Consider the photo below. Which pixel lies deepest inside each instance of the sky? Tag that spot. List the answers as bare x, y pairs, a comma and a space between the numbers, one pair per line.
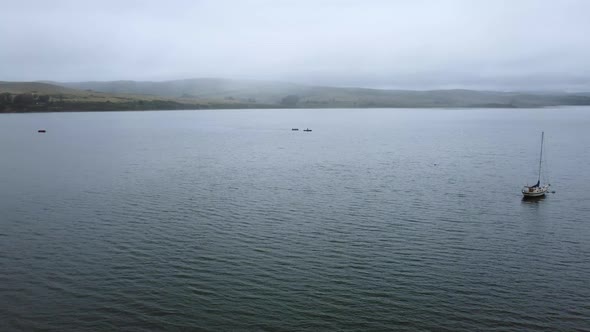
401, 44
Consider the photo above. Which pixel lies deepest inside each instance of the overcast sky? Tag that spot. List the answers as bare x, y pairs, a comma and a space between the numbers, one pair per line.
411, 44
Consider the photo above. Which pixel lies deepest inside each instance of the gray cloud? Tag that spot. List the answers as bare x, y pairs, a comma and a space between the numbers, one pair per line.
419, 44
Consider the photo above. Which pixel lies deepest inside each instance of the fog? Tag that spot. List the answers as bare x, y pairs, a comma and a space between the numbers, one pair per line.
504, 45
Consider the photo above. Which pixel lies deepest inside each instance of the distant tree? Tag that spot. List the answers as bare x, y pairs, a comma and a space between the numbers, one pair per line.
5, 98
43, 99
23, 99
290, 100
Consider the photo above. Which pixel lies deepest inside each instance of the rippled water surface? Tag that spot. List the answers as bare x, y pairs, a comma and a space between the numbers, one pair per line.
227, 220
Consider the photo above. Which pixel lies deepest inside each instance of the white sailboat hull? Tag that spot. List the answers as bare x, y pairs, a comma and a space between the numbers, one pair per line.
535, 191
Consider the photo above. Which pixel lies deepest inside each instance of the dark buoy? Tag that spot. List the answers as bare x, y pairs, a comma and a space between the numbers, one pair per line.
41, 130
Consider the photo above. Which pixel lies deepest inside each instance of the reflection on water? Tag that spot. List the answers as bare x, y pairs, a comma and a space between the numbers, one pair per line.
533, 200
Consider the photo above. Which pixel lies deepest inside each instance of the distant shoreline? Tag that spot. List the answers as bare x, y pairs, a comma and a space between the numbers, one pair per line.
290, 109
219, 94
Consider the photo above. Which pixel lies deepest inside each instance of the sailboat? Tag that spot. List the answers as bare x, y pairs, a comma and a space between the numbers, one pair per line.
537, 190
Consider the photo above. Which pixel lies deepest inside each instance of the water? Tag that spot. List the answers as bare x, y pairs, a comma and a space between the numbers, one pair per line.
227, 220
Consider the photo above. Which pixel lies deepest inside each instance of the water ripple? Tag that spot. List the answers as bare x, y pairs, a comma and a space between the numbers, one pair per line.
267, 230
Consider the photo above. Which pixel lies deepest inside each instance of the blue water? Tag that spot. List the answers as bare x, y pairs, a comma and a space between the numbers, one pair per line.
378, 219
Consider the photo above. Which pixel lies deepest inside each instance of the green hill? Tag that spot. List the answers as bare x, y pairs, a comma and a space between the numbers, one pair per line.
46, 97
212, 93
35, 87
205, 88
269, 92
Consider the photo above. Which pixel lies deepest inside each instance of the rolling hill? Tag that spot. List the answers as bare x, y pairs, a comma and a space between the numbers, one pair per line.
213, 93
269, 92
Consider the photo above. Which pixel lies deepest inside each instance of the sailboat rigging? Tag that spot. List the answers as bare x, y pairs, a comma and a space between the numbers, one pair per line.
537, 190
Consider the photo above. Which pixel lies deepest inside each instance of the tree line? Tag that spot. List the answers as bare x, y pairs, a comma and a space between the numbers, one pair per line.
22, 101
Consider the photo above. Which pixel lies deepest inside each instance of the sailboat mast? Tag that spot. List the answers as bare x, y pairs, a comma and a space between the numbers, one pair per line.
541, 157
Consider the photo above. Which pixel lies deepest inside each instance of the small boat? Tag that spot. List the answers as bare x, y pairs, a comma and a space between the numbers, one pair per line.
295, 129
537, 190
307, 129
41, 131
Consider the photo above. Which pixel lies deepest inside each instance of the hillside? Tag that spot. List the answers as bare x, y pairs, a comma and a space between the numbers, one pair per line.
46, 97
35, 87
268, 92
211, 93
